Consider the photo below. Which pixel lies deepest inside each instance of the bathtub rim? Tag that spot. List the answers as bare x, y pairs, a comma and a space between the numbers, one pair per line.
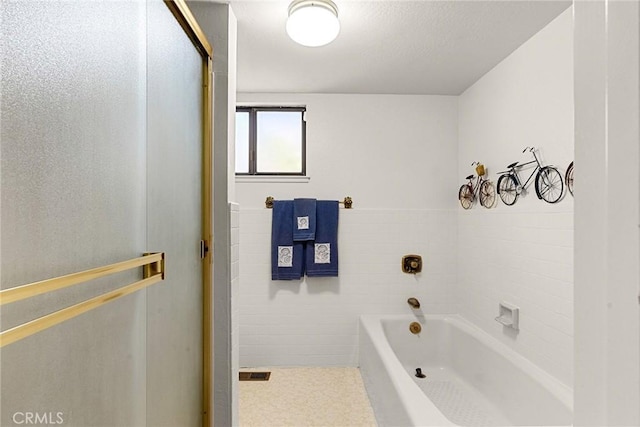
373, 325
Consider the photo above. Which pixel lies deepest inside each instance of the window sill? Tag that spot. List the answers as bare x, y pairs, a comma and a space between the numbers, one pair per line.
243, 179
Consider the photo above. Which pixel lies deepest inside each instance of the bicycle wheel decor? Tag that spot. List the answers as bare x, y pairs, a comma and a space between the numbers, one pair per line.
568, 178
549, 184
487, 194
465, 195
508, 189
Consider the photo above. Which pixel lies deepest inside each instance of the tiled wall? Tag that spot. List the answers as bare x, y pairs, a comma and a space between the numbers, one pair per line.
524, 258
395, 155
315, 322
522, 254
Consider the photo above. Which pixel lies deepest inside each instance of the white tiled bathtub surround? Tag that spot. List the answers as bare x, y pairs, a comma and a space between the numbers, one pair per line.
395, 155
524, 258
315, 322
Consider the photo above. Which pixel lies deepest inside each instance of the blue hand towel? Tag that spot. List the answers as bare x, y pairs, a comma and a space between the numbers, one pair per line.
287, 256
304, 219
322, 254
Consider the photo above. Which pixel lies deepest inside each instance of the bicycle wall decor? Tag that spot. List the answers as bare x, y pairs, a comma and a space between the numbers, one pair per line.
568, 178
548, 181
468, 192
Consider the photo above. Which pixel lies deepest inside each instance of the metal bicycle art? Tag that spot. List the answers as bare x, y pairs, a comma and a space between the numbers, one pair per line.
548, 181
468, 192
568, 178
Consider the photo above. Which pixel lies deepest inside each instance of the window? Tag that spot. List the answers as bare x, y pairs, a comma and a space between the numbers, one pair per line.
270, 141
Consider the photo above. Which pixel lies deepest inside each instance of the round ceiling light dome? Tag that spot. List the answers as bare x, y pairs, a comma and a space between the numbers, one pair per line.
313, 23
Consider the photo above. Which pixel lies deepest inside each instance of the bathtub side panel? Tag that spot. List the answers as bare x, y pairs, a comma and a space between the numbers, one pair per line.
386, 404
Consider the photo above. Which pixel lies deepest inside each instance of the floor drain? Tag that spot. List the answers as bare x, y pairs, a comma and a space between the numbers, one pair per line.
255, 376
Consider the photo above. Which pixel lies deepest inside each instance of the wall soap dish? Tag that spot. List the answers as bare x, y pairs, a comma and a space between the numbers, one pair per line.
509, 315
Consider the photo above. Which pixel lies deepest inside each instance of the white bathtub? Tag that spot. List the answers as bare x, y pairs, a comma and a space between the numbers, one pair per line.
472, 379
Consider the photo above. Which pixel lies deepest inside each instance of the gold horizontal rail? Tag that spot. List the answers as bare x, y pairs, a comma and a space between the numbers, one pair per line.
32, 289
347, 202
26, 329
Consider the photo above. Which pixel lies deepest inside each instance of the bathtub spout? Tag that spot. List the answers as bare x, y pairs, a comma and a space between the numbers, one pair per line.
413, 302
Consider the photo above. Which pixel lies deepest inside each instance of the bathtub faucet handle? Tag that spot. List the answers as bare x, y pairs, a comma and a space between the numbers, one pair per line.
413, 302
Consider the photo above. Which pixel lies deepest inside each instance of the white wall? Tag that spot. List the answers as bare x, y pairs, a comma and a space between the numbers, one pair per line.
234, 242
607, 332
522, 254
396, 156
385, 151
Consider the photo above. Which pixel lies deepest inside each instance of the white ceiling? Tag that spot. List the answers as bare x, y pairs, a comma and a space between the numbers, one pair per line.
396, 47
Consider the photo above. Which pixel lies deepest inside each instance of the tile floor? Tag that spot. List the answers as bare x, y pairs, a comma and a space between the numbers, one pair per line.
300, 397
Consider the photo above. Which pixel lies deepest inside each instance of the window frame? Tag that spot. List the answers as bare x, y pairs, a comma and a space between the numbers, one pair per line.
253, 139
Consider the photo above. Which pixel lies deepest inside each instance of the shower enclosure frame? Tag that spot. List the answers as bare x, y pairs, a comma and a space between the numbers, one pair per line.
195, 33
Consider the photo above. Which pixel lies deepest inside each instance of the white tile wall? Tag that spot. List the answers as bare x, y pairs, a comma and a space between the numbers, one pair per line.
384, 151
315, 322
525, 258
522, 254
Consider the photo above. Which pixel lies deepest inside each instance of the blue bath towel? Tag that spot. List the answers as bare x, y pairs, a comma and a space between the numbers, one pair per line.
322, 254
287, 256
304, 220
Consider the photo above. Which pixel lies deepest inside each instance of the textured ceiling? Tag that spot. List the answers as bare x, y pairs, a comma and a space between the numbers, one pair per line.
397, 47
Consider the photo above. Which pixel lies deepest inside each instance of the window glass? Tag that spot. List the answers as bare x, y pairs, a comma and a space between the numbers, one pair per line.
242, 142
278, 141
270, 141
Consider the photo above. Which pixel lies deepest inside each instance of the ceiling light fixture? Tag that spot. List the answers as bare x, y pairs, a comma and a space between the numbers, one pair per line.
313, 23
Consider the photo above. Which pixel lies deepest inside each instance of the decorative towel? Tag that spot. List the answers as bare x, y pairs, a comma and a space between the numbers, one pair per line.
322, 254
304, 220
287, 256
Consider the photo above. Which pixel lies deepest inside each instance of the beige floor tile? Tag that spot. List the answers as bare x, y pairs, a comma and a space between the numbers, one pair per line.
300, 397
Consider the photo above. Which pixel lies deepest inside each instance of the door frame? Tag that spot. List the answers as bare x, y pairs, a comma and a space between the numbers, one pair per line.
187, 21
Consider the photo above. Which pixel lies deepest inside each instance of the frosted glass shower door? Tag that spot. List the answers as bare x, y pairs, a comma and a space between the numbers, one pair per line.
174, 207
101, 160
72, 197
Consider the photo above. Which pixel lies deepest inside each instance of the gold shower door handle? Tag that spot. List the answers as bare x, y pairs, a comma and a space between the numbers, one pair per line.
153, 272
